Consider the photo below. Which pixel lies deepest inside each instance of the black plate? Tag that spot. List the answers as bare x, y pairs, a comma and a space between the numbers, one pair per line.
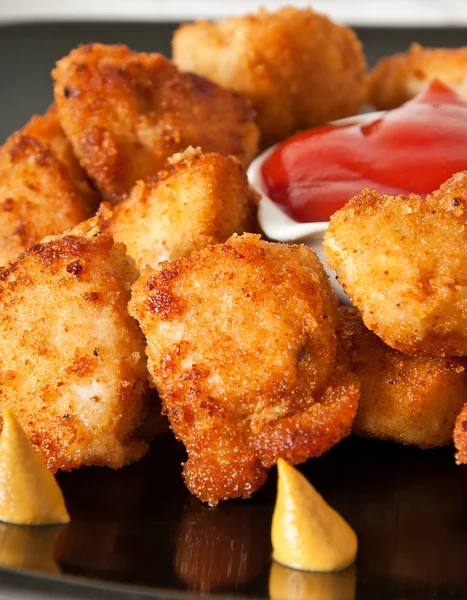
139, 526
137, 533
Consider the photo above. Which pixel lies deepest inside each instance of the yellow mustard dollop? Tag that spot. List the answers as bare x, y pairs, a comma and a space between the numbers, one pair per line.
29, 494
306, 532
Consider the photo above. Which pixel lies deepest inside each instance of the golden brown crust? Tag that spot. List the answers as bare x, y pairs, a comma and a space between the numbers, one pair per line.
315, 430
406, 399
398, 78
200, 199
242, 350
42, 187
298, 68
127, 112
460, 437
72, 364
47, 130
402, 262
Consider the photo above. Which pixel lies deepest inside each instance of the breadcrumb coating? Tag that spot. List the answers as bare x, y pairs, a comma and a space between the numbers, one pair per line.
200, 199
241, 346
47, 130
403, 398
126, 112
402, 262
42, 187
398, 78
460, 436
298, 68
72, 363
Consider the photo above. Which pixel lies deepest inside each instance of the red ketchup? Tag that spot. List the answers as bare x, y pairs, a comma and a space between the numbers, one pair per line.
414, 148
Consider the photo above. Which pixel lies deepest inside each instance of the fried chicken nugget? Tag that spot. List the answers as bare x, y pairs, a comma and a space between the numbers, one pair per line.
47, 130
398, 78
298, 68
242, 349
126, 112
460, 436
42, 187
72, 362
200, 199
406, 399
402, 261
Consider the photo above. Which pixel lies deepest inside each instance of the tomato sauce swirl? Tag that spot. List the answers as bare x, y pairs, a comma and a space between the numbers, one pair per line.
413, 148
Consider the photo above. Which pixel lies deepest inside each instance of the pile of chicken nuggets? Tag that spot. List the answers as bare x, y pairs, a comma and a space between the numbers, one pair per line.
136, 291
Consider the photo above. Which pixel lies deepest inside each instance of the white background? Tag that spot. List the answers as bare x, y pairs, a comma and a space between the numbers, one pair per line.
353, 12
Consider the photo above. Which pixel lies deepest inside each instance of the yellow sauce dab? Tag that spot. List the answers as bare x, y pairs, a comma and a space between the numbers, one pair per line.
307, 533
29, 494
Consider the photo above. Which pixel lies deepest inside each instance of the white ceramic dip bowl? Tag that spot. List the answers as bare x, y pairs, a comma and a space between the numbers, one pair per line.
279, 226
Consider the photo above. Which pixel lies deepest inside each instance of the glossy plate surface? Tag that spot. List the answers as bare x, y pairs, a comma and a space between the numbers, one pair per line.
139, 526
137, 533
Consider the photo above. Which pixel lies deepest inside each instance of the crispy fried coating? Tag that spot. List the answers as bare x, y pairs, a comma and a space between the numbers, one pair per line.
242, 349
402, 262
460, 437
298, 68
126, 112
72, 364
47, 130
200, 199
398, 78
42, 187
403, 398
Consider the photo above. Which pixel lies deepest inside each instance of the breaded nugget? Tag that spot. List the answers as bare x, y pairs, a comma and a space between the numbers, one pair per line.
47, 130
460, 437
298, 68
42, 187
407, 399
242, 349
126, 112
72, 363
398, 78
200, 199
402, 261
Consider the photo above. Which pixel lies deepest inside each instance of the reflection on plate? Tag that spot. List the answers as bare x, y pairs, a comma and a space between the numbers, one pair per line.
287, 583
218, 549
30, 548
140, 526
